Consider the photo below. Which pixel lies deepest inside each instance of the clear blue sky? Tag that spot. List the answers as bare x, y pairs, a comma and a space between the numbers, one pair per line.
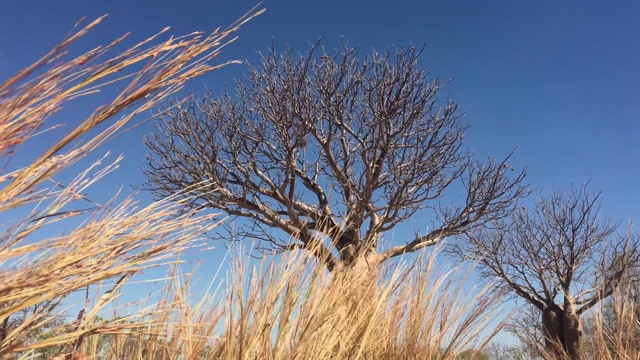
559, 79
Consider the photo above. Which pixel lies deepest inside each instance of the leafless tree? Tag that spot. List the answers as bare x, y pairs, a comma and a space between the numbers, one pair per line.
561, 250
498, 351
333, 151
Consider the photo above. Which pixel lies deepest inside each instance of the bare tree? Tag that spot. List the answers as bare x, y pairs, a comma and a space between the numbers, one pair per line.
560, 250
498, 351
51, 324
332, 150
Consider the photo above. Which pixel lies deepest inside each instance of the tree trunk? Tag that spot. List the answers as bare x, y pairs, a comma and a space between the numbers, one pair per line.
562, 330
361, 271
572, 330
553, 329
358, 269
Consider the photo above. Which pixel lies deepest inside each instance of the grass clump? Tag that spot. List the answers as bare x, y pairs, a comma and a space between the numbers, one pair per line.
292, 308
114, 240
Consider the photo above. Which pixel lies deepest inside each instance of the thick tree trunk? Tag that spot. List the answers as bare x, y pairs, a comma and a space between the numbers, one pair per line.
552, 325
572, 330
562, 331
360, 270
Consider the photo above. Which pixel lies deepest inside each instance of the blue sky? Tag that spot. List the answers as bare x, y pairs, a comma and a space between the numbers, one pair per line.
557, 79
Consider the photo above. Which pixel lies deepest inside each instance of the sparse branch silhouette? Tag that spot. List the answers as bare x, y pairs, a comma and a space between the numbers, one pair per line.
334, 151
561, 249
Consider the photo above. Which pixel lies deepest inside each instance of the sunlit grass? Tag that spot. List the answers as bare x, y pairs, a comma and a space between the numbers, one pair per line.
114, 240
291, 308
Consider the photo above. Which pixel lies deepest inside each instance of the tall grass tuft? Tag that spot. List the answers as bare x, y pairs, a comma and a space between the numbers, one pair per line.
114, 240
290, 308
613, 328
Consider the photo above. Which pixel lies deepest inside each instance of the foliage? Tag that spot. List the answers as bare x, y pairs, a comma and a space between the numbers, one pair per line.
497, 351
472, 355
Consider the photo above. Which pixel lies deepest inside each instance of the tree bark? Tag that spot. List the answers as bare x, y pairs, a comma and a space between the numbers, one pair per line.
361, 271
562, 330
572, 330
4, 329
552, 325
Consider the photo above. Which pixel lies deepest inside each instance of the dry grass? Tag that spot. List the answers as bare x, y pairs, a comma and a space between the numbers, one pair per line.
613, 329
114, 240
284, 310
289, 309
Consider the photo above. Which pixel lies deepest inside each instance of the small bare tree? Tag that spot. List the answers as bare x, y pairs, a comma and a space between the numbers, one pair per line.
527, 328
332, 150
561, 250
498, 351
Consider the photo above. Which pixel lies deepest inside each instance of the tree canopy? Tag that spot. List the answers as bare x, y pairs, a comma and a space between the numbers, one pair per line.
332, 149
